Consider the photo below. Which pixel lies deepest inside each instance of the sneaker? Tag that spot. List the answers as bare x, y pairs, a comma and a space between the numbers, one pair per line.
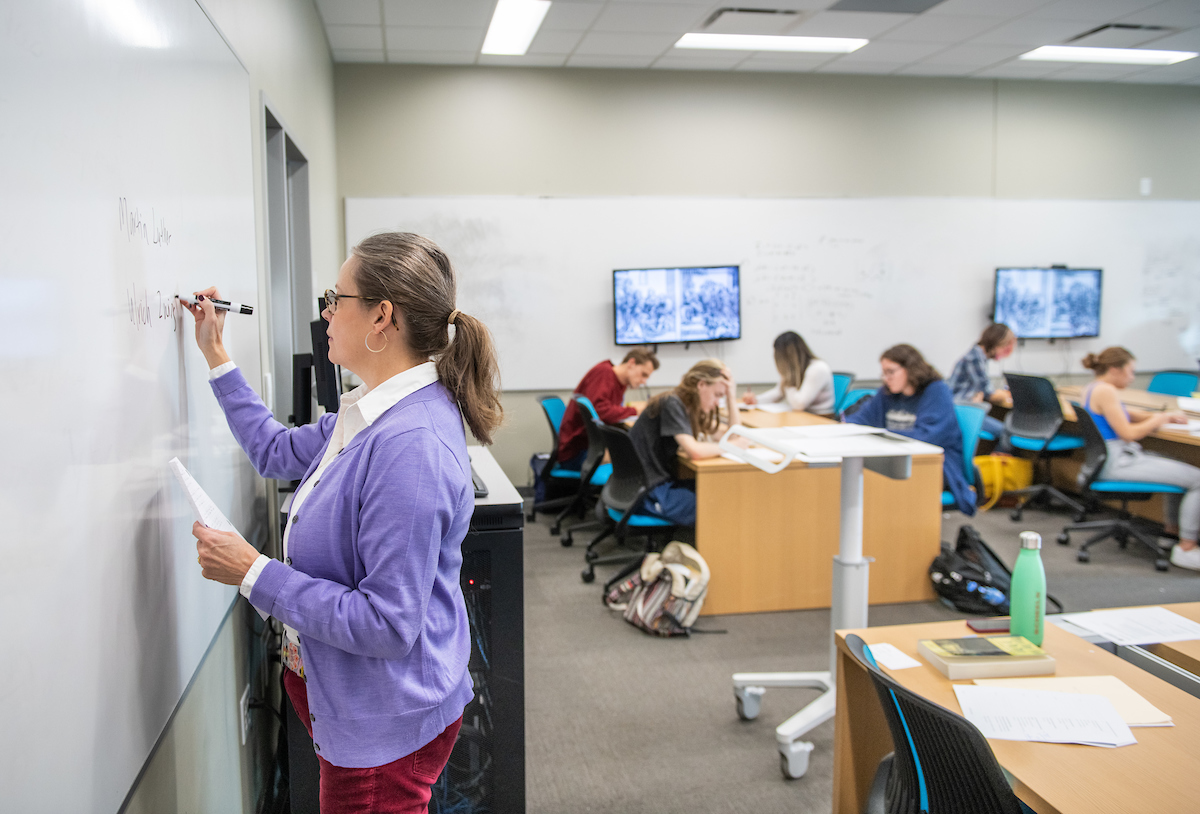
1186, 557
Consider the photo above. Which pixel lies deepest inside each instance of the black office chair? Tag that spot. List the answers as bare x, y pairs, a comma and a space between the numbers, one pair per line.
1123, 526
555, 478
620, 507
941, 764
1034, 425
593, 474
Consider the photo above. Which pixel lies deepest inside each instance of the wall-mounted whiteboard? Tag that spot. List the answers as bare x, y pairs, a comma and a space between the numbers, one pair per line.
125, 154
853, 276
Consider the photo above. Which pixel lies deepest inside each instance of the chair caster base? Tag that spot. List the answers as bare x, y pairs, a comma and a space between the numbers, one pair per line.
1079, 517
555, 529
588, 575
1015, 514
1083, 556
1161, 565
567, 540
591, 556
1063, 539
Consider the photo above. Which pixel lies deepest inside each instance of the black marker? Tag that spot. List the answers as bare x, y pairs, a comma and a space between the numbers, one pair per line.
220, 305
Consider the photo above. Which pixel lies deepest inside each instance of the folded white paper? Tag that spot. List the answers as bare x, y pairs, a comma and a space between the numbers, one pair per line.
892, 657
1003, 713
1131, 706
1137, 625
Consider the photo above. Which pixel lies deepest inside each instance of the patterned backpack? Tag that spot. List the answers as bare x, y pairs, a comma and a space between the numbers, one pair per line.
665, 595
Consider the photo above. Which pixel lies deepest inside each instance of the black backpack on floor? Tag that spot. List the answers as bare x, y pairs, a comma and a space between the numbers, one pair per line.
972, 578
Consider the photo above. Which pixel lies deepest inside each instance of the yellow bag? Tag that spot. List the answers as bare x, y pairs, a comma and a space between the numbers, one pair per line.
1002, 473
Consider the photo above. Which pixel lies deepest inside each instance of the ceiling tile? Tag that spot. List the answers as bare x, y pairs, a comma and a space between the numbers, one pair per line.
1097, 73
411, 38
849, 24
1183, 41
527, 61
1031, 31
767, 66
980, 56
1020, 70
603, 42
564, 16
791, 62
944, 29
352, 55
442, 13
987, 8
923, 69
432, 57
356, 37
899, 52
1176, 13
1096, 11
874, 68
598, 61
649, 18
349, 12
555, 42
718, 61
1150, 78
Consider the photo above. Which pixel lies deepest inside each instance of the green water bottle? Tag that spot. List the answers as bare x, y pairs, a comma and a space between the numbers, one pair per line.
1027, 604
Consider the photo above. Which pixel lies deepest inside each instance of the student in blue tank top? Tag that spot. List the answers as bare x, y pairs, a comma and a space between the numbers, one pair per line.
1122, 428
914, 401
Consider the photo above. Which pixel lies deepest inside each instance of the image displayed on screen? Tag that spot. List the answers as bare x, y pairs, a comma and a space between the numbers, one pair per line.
676, 304
1048, 303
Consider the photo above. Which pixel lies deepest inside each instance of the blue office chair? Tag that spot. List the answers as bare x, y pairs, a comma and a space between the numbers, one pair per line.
1123, 526
554, 476
970, 422
853, 397
841, 383
1174, 383
942, 764
1034, 425
621, 507
593, 474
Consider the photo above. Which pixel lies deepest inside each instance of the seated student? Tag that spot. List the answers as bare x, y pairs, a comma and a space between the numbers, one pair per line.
914, 401
605, 386
687, 417
1122, 428
805, 381
969, 382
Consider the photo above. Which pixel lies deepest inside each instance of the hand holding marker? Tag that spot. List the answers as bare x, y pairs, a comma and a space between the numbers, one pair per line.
220, 305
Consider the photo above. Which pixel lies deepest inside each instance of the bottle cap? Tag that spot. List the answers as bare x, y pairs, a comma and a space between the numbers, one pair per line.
1031, 539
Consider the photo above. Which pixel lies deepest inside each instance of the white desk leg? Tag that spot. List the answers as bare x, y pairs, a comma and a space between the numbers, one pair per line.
849, 609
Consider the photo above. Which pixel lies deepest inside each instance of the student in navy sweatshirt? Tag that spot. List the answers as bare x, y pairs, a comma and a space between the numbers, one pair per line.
914, 401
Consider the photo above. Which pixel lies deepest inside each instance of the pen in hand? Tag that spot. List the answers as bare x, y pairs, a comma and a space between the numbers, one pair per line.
221, 305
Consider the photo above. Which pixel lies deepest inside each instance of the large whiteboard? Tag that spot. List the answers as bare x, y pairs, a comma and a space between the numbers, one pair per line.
853, 276
125, 159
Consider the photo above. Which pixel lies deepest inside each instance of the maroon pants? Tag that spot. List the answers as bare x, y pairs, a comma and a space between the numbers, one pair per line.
399, 787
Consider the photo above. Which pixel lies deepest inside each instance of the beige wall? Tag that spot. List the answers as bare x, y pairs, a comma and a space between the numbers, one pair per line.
425, 130
200, 765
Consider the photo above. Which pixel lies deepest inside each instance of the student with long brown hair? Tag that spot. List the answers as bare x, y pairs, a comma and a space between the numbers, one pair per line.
914, 401
688, 418
969, 382
805, 382
1122, 428
377, 642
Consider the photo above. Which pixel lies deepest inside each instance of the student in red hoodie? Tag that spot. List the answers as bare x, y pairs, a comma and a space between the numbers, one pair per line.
605, 386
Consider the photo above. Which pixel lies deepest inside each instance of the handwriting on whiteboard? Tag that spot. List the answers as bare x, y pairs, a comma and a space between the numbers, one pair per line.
148, 310
133, 224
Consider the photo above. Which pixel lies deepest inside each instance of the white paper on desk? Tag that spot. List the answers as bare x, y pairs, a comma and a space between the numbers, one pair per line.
1130, 705
892, 657
774, 407
1003, 713
1193, 426
202, 505
767, 455
1137, 625
832, 430
1189, 405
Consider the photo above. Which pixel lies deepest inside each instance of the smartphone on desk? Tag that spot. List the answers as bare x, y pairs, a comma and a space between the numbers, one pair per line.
998, 624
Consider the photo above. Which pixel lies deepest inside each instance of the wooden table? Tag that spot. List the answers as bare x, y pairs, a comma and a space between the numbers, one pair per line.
1185, 655
1157, 774
769, 540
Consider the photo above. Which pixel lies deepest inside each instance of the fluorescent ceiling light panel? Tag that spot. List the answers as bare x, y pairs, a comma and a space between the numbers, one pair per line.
1119, 56
765, 42
514, 25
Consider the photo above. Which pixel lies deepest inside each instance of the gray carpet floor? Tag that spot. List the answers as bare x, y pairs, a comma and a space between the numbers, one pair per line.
619, 721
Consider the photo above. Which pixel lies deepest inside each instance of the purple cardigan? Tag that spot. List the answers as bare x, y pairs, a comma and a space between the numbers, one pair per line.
372, 583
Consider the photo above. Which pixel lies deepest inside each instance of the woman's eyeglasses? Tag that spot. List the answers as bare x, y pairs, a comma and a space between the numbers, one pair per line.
332, 297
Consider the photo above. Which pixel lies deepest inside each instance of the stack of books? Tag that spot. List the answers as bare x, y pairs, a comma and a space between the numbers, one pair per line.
986, 657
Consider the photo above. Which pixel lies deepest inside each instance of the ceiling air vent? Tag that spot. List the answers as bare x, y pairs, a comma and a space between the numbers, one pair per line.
752, 21
1121, 35
890, 6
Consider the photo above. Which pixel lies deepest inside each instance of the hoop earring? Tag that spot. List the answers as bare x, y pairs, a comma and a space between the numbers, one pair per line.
367, 342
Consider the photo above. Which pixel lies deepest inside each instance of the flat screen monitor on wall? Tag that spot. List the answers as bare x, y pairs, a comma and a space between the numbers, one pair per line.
692, 304
1048, 303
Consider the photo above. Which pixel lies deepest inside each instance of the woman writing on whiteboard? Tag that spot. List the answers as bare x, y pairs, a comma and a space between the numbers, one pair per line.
1122, 428
805, 382
686, 418
914, 401
368, 591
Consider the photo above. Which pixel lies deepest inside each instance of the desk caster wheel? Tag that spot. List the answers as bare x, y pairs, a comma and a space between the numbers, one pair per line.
1083, 556
793, 759
567, 540
1063, 539
1161, 565
1015, 514
749, 701
588, 575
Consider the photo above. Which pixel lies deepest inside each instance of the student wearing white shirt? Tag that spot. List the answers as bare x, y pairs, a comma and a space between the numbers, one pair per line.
805, 381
